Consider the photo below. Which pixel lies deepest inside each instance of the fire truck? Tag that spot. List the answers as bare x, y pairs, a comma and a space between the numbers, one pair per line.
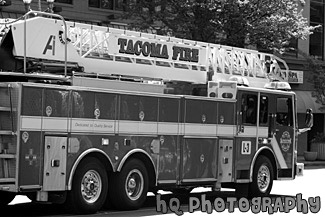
92, 115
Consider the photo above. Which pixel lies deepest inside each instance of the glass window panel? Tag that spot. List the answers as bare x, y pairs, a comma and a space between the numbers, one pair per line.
64, 1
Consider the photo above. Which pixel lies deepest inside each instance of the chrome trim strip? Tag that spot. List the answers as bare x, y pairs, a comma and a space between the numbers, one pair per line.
137, 150
242, 181
81, 156
254, 159
200, 180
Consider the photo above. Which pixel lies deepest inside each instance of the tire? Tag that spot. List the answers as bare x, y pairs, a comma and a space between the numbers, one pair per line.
128, 189
263, 176
89, 187
6, 197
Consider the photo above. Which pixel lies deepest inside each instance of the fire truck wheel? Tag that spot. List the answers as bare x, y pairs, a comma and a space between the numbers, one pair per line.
129, 187
262, 177
89, 187
6, 197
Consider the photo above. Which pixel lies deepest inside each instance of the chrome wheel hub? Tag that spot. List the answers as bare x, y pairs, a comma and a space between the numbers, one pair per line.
263, 178
134, 184
91, 186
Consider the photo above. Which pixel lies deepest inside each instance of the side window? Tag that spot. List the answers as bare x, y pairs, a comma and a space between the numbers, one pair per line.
56, 103
83, 104
106, 104
264, 110
249, 108
32, 101
284, 112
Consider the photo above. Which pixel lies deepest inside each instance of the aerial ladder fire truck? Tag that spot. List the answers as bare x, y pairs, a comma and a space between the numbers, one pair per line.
91, 115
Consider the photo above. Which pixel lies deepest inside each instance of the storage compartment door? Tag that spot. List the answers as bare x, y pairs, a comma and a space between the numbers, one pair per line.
55, 155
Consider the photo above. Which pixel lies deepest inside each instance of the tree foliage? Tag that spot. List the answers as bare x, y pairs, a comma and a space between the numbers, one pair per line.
267, 24
317, 78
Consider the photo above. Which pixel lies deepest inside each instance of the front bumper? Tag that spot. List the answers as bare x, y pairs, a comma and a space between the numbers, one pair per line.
299, 169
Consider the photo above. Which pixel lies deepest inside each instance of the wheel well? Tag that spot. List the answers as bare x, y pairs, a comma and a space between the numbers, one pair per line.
92, 153
267, 153
103, 159
149, 166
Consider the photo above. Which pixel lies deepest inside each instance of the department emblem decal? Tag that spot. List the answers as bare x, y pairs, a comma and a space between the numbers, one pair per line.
204, 118
48, 111
25, 137
162, 140
97, 113
202, 158
141, 115
31, 157
285, 141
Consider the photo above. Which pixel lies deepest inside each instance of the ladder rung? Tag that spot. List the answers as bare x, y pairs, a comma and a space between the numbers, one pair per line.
6, 109
6, 132
2, 180
7, 156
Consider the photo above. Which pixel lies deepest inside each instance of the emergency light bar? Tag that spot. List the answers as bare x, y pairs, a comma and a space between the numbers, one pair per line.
278, 85
241, 81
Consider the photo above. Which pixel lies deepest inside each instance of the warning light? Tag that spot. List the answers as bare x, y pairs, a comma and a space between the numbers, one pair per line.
278, 86
241, 81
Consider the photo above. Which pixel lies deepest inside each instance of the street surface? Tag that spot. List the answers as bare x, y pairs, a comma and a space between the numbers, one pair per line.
310, 185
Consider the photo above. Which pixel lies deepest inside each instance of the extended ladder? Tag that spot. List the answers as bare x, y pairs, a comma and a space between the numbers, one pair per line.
99, 50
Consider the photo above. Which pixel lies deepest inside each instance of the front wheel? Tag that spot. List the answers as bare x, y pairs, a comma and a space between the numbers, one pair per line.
262, 177
89, 187
129, 187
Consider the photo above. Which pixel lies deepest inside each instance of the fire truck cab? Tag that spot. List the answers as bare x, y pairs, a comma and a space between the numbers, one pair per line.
91, 116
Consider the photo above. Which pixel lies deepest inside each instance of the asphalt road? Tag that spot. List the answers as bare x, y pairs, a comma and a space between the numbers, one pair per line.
311, 185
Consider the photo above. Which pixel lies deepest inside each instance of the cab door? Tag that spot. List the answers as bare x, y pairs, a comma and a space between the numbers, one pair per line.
247, 128
281, 133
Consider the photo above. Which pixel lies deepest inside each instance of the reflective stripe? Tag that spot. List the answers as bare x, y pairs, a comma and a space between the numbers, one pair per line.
62, 124
138, 127
263, 132
55, 124
127, 127
165, 128
278, 153
31, 123
249, 131
200, 129
226, 130
253, 131
92, 125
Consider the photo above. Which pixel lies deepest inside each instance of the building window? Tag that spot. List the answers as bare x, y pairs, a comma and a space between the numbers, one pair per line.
292, 48
316, 42
119, 5
64, 1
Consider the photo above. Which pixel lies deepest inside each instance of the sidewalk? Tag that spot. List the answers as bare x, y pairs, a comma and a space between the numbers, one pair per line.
311, 164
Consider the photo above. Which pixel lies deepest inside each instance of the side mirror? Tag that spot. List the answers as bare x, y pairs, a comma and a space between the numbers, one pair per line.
309, 119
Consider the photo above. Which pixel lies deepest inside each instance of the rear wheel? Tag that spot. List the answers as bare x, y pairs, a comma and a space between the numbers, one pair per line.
6, 197
89, 187
129, 187
263, 176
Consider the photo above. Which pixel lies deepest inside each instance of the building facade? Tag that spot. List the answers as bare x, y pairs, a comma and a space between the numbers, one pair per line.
109, 12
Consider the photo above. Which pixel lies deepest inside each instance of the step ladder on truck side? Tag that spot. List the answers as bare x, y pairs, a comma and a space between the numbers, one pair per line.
8, 140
